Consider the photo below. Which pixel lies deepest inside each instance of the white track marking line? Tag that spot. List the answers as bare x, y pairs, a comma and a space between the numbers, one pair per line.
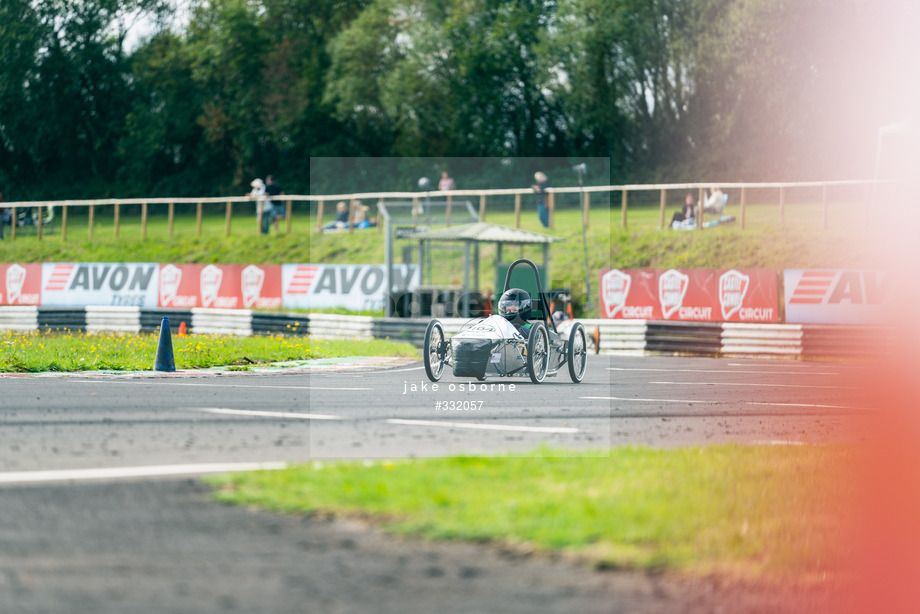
811, 405
26, 477
227, 385
759, 385
645, 400
484, 427
725, 371
268, 414
402, 370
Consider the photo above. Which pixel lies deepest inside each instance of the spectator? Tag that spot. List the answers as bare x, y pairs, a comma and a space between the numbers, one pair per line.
540, 188
684, 217
276, 212
258, 194
446, 183
716, 201
361, 221
341, 217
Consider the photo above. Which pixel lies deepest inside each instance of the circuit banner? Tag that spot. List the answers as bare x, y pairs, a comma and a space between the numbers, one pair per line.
21, 284
701, 295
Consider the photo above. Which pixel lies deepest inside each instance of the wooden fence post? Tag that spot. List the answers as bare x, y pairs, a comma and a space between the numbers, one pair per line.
199, 213
92, 220
552, 211
143, 220
517, 210
117, 218
782, 206
288, 214
623, 205
229, 216
14, 213
450, 204
482, 208
664, 204
64, 223
743, 202
319, 215
39, 223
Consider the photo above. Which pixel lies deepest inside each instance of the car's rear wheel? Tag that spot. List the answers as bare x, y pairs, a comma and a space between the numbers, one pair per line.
537, 353
577, 353
434, 351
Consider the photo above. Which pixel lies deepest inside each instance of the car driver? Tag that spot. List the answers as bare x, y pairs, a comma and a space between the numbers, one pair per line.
515, 306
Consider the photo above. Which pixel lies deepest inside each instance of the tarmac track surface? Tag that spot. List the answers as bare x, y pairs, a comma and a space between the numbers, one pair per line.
81, 529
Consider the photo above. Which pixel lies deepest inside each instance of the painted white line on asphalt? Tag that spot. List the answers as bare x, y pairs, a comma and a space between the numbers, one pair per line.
268, 414
725, 371
227, 385
409, 369
113, 473
810, 405
485, 427
759, 385
645, 400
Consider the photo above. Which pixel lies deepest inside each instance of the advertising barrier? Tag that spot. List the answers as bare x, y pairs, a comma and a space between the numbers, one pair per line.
829, 296
359, 287
697, 295
74, 284
22, 284
224, 286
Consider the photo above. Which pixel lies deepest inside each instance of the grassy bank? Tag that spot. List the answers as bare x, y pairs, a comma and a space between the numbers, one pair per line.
764, 243
37, 352
746, 511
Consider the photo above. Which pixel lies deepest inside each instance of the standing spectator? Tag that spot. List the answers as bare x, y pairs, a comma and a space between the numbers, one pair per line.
540, 188
258, 194
446, 183
273, 189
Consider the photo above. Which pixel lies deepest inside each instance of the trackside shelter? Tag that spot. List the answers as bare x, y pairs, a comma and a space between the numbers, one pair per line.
472, 236
407, 219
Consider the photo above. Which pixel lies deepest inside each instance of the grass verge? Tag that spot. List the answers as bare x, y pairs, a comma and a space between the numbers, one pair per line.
37, 352
749, 512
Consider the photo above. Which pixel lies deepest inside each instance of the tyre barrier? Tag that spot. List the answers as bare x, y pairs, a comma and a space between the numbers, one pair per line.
620, 337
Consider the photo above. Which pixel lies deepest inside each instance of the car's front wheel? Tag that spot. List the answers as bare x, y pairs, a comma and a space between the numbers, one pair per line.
537, 353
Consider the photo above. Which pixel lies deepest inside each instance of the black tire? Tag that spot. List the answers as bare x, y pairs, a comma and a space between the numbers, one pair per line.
537, 353
577, 353
433, 351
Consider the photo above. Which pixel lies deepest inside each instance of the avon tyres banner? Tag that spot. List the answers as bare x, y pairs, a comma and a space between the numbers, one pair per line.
829, 296
704, 295
359, 287
70, 284
224, 286
21, 284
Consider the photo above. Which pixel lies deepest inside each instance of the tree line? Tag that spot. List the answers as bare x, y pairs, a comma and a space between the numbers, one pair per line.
670, 90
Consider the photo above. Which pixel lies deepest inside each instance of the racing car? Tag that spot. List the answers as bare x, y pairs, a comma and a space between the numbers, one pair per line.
518, 341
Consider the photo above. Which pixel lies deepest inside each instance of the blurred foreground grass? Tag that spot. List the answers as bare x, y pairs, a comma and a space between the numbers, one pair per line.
751, 512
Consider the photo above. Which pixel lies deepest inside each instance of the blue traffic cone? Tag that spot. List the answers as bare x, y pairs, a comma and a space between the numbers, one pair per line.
165, 360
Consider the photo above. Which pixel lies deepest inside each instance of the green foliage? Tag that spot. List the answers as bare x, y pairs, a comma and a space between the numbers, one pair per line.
757, 512
672, 89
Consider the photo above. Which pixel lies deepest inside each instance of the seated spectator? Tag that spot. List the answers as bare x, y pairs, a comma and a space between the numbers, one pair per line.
715, 202
361, 220
341, 217
684, 217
